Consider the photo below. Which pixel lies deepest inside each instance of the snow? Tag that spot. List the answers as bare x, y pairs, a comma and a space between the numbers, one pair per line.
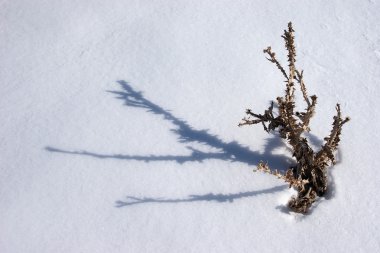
119, 125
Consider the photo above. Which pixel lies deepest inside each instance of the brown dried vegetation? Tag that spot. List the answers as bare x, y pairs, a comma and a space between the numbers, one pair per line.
309, 176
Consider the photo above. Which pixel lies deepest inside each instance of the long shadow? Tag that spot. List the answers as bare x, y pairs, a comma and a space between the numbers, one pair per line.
193, 198
227, 151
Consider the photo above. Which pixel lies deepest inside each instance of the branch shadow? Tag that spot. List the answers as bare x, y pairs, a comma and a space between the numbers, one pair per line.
227, 151
193, 198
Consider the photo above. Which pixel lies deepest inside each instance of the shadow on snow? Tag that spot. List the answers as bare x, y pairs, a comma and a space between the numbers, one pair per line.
192, 198
227, 151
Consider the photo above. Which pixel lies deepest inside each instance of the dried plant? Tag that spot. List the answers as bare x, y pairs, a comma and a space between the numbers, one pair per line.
309, 176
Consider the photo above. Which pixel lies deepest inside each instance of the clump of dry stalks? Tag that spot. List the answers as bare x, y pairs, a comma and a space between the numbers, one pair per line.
309, 176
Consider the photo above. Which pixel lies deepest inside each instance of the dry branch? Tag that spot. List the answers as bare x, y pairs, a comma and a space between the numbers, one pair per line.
309, 176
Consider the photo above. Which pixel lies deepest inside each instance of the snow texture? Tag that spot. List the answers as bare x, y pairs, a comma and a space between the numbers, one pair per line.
119, 125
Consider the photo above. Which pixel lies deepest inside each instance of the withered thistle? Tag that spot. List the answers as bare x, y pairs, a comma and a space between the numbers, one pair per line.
309, 176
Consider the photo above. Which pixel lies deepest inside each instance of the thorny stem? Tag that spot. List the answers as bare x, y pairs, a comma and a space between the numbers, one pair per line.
299, 79
274, 60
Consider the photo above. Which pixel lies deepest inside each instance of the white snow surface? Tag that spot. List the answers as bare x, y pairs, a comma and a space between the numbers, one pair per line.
119, 125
